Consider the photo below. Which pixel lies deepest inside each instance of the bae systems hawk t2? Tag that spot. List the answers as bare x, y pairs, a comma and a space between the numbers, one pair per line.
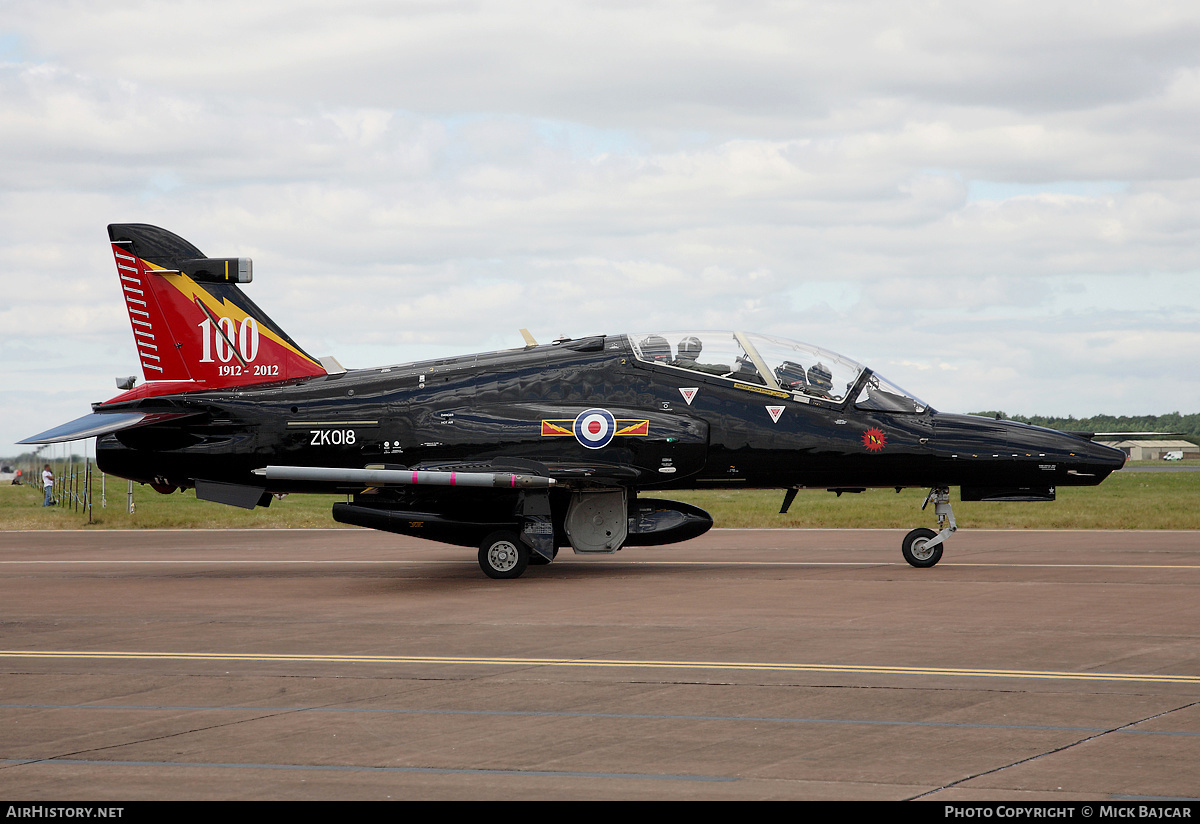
523, 451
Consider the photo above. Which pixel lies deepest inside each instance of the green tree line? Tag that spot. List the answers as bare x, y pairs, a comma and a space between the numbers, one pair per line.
1186, 425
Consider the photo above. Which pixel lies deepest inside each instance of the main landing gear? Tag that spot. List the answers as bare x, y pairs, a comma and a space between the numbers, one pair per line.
503, 555
923, 547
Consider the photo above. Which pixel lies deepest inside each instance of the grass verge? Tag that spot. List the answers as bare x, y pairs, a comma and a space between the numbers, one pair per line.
1127, 500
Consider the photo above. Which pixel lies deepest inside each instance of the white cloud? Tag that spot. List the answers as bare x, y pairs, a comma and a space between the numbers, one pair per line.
964, 187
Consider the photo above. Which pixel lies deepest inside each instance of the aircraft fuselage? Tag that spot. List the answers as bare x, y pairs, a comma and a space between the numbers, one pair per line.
520, 404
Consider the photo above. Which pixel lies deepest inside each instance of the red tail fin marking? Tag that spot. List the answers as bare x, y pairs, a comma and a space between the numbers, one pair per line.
151, 333
209, 335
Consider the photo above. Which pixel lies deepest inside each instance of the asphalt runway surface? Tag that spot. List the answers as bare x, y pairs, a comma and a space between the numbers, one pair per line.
746, 664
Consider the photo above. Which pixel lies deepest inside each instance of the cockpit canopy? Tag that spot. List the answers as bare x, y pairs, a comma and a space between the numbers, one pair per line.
804, 370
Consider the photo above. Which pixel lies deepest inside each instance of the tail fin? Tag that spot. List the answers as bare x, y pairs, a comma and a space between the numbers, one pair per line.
191, 322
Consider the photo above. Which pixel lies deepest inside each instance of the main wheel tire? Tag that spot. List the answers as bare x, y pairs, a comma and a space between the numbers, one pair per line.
915, 550
503, 555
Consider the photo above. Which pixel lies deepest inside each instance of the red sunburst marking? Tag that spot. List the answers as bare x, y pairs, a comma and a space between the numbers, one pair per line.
874, 439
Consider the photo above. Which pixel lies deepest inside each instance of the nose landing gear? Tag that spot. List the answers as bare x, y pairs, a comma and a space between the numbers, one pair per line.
923, 547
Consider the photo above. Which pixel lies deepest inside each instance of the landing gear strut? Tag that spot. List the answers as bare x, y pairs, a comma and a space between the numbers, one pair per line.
923, 547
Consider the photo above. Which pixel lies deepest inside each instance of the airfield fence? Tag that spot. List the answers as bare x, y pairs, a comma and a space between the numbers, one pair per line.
75, 480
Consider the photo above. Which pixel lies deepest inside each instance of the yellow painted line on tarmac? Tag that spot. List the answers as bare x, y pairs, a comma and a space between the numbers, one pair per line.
596, 663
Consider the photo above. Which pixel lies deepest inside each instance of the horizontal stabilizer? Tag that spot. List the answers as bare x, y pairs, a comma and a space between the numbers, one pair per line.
102, 423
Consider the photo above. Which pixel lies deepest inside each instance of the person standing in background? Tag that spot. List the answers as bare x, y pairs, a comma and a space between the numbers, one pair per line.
48, 485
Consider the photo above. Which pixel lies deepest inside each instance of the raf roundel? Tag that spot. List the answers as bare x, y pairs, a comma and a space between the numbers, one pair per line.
594, 428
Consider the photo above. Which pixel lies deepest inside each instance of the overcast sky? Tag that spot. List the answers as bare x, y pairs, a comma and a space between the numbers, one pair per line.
995, 205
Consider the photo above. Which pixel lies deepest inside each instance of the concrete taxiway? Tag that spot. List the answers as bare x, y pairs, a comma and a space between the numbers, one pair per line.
747, 664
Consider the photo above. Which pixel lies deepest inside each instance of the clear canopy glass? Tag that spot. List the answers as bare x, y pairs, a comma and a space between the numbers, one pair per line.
802, 369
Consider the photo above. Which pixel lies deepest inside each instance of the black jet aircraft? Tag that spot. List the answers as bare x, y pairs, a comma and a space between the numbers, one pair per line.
523, 451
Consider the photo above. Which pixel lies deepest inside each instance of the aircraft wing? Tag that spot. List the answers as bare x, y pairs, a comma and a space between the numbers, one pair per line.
102, 423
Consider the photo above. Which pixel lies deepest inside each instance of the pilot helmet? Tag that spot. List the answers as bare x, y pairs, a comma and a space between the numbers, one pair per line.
690, 348
655, 348
820, 376
790, 375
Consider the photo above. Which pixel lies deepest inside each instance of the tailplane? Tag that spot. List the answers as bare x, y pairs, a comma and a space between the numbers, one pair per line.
193, 327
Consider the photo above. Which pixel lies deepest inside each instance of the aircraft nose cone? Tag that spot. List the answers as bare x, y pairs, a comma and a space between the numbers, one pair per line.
1052, 456
1087, 461
1107, 456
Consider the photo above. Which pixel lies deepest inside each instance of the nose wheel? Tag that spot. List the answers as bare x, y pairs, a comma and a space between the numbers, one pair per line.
923, 547
918, 549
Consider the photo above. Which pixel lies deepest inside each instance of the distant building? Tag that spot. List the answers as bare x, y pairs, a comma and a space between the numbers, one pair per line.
1142, 450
